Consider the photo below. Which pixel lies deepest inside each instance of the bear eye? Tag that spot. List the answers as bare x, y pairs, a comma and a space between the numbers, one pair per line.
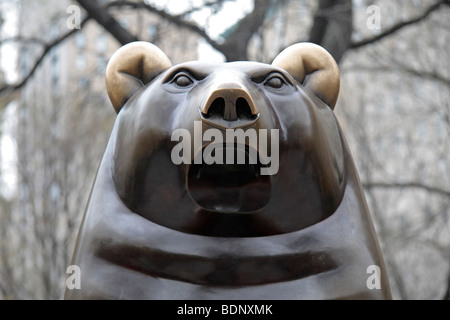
183, 80
275, 82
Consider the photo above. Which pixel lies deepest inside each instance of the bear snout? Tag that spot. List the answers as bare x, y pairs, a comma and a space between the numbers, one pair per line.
229, 106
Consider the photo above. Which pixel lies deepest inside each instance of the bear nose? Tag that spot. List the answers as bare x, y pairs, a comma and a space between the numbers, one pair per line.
229, 106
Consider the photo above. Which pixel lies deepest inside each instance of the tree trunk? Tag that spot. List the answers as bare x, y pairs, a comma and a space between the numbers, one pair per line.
332, 27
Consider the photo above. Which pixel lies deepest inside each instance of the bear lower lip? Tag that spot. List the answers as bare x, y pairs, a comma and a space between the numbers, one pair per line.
229, 188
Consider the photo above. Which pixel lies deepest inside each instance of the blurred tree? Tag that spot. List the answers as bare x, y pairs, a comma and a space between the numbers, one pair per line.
394, 99
332, 27
395, 111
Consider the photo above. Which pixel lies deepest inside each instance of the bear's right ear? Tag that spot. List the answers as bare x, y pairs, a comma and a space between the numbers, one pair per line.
130, 68
313, 67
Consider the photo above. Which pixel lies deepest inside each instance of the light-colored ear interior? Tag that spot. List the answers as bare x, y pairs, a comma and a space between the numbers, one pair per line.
131, 67
313, 67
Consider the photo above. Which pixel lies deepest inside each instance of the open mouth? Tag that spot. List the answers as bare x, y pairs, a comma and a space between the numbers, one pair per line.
230, 184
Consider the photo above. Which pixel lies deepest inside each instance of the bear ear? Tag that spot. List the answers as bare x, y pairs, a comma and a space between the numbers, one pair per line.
130, 68
314, 67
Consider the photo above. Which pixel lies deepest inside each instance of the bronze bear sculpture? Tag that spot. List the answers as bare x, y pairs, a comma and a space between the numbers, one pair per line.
171, 215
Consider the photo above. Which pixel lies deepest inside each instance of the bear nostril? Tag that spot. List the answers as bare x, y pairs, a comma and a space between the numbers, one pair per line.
243, 109
229, 108
217, 109
240, 110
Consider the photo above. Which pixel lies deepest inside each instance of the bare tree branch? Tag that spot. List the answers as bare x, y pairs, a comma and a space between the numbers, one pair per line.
23, 39
235, 46
407, 185
47, 47
215, 4
403, 69
107, 21
94, 11
175, 19
328, 10
332, 26
399, 26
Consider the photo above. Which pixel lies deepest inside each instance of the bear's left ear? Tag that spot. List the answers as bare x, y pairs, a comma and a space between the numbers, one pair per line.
314, 67
131, 67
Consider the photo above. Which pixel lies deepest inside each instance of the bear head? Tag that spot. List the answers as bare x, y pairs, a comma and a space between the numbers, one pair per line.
226, 181
227, 149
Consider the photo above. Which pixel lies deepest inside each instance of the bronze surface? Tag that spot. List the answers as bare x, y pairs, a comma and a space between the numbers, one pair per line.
154, 229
